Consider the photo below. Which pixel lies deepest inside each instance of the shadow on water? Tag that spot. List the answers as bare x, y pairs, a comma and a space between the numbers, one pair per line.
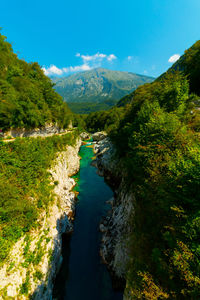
82, 275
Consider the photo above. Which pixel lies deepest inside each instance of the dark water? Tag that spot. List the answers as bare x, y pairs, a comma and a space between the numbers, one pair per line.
83, 276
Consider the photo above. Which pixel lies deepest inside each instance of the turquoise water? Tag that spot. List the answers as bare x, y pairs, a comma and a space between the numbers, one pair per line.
83, 276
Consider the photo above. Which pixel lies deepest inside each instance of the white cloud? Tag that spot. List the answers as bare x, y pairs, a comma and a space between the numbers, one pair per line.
111, 57
96, 57
145, 72
88, 62
174, 58
83, 67
130, 57
52, 70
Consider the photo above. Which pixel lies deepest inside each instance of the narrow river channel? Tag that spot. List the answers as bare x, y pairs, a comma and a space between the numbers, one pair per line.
82, 275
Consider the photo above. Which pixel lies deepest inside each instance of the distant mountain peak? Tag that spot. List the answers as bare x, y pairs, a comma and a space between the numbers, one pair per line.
98, 85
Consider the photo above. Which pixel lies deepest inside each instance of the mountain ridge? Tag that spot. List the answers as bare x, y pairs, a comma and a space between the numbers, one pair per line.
98, 85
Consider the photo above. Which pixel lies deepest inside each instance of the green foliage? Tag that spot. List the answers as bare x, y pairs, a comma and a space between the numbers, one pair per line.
160, 152
189, 65
104, 120
25, 186
170, 94
38, 275
25, 285
88, 107
27, 97
78, 121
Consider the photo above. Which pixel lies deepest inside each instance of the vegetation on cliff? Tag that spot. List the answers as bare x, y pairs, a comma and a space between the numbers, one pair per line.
189, 65
161, 152
27, 97
25, 184
157, 140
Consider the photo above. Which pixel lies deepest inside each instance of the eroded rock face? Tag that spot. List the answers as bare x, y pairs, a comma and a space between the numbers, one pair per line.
44, 244
85, 135
99, 136
48, 130
116, 226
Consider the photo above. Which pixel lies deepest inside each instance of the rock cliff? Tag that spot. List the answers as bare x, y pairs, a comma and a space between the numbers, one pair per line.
35, 259
47, 130
116, 226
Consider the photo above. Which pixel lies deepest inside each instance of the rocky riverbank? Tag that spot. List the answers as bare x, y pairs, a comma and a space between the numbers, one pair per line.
116, 226
35, 259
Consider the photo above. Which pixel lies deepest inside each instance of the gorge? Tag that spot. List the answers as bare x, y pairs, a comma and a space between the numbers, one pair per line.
147, 149
83, 273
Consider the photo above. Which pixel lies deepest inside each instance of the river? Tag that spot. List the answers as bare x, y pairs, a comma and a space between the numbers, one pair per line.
82, 275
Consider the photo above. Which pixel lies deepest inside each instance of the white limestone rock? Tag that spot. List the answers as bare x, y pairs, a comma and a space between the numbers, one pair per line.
85, 136
52, 224
117, 225
99, 136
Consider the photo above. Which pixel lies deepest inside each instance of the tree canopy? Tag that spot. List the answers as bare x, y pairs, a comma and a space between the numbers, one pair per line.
27, 96
160, 149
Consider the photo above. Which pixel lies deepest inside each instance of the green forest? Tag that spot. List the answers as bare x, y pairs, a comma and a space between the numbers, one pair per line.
88, 107
27, 96
157, 136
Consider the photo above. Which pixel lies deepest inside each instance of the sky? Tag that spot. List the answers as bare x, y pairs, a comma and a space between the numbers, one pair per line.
65, 36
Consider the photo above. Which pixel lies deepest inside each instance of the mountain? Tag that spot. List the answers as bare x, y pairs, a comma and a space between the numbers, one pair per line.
98, 85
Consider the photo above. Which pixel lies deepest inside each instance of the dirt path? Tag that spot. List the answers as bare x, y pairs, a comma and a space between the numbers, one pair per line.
13, 139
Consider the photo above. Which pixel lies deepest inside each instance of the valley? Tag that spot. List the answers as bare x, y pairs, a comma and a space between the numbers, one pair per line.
104, 203
82, 262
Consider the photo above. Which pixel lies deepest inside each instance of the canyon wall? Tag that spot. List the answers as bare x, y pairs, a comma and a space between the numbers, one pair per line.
47, 130
35, 259
116, 226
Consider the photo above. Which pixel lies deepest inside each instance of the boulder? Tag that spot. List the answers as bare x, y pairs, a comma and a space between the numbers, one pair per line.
102, 228
84, 135
99, 136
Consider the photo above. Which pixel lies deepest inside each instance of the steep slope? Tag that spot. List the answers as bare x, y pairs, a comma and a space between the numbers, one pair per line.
37, 206
27, 97
189, 64
158, 157
98, 85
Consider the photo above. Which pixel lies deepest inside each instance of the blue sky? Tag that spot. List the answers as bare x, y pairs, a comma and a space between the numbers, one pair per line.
67, 36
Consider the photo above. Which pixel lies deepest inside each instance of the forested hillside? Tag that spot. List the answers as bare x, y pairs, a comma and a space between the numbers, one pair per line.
157, 140
27, 97
189, 65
